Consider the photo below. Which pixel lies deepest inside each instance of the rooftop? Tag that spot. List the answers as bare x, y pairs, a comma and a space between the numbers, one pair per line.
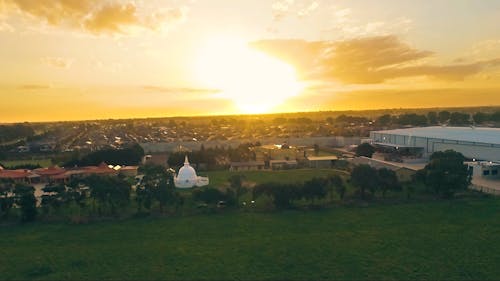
322, 158
469, 134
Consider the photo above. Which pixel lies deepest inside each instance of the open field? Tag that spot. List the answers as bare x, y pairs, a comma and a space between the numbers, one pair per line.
451, 240
220, 178
12, 163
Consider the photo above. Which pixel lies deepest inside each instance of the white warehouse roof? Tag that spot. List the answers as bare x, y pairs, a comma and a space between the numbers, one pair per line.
467, 134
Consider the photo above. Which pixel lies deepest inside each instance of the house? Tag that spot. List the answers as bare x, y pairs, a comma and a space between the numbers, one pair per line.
62, 175
247, 166
321, 161
47, 173
129, 171
283, 164
19, 176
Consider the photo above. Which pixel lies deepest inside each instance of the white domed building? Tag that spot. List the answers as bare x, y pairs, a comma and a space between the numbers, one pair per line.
187, 178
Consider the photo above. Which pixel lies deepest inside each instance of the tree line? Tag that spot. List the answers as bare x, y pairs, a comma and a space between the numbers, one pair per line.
129, 156
105, 196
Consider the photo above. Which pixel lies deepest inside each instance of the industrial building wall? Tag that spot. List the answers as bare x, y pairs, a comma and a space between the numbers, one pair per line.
471, 150
481, 152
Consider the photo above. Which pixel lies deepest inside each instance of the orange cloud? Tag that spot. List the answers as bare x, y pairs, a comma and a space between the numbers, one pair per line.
95, 16
368, 60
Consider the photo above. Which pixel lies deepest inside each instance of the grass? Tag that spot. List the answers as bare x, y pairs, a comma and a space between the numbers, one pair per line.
13, 163
220, 178
453, 240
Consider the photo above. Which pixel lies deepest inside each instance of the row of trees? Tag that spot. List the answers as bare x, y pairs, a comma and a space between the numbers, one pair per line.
131, 155
20, 195
435, 118
445, 175
212, 156
284, 195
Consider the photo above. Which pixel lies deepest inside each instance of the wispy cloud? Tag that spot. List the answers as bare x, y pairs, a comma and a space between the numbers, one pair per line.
57, 62
176, 90
298, 8
33, 87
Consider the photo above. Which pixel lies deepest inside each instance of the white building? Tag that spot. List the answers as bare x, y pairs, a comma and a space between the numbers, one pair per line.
187, 178
473, 142
485, 169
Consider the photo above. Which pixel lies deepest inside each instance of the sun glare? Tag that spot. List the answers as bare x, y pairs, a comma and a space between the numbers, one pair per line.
254, 81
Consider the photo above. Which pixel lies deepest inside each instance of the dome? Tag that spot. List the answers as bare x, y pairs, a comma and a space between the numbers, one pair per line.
187, 176
186, 173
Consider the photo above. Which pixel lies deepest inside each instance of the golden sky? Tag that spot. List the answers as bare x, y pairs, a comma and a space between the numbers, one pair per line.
94, 59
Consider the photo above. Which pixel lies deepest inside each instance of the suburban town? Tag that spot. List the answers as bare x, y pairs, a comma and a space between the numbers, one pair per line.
249, 140
282, 143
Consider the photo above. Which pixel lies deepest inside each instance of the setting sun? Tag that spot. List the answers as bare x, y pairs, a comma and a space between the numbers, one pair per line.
254, 81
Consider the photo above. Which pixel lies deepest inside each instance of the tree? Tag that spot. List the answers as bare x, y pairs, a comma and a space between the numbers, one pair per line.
364, 178
480, 117
314, 188
384, 120
143, 197
158, 185
6, 198
281, 194
432, 118
111, 193
365, 149
316, 149
236, 183
209, 195
443, 116
446, 173
131, 155
163, 193
458, 118
26, 200
495, 117
412, 119
388, 180
55, 197
338, 184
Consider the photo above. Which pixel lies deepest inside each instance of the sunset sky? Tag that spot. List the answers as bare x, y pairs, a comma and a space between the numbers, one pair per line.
93, 59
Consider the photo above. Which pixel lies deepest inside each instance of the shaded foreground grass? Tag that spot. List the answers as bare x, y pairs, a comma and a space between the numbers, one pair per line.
435, 240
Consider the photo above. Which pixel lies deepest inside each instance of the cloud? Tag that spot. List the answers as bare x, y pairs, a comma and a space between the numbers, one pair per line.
175, 90
6, 27
345, 23
57, 62
112, 18
368, 60
33, 87
299, 8
96, 16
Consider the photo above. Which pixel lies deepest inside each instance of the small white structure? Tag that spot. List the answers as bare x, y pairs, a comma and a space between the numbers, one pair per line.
187, 178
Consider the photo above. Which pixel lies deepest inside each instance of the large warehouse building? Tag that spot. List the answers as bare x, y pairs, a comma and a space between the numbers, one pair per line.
472, 142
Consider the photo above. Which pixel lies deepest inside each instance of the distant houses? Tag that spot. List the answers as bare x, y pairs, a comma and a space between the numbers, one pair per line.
283, 164
247, 166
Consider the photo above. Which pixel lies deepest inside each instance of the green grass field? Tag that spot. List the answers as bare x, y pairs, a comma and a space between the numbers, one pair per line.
220, 178
12, 163
451, 240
